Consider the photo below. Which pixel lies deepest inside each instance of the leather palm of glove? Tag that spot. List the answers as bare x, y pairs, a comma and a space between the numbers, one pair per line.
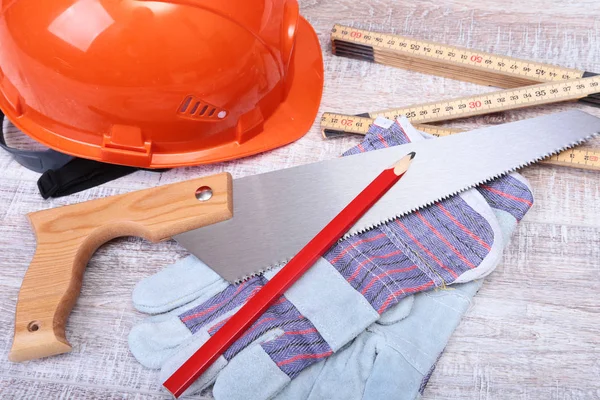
358, 280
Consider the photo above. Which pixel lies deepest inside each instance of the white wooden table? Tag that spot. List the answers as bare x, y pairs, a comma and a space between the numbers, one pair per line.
533, 331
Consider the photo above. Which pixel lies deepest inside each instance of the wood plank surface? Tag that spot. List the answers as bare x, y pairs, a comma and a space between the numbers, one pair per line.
533, 331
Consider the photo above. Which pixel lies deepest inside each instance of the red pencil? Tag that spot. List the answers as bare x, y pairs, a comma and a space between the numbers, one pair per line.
293, 270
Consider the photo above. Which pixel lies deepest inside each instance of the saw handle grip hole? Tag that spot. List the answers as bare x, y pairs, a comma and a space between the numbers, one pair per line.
33, 326
204, 193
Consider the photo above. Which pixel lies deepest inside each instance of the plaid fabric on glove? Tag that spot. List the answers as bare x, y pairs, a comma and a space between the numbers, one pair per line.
456, 240
429, 248
282, 316
395, 356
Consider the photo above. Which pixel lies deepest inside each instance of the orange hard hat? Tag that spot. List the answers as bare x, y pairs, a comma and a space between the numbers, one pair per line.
159, 83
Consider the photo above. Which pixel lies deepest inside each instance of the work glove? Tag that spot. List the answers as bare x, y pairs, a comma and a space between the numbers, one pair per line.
395, 357
457, 240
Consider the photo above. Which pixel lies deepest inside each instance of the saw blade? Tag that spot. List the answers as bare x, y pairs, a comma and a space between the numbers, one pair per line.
277, 213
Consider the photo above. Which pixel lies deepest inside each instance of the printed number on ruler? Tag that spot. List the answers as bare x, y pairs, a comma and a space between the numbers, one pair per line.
346, 123
455, 55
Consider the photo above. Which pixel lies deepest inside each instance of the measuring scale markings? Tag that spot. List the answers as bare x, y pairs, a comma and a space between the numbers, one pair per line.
558, 85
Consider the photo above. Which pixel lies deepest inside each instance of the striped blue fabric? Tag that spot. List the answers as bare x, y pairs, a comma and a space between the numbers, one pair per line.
417, 252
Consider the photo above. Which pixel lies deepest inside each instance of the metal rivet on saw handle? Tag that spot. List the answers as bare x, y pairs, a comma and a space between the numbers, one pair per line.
204, 193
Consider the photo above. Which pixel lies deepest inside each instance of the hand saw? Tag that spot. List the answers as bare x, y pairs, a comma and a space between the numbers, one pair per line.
251, 224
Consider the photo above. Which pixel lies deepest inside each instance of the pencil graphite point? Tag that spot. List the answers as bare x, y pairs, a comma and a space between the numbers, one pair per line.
401, 166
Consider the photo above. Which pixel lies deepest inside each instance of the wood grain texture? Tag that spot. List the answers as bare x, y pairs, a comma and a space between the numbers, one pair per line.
66, 238
533, 330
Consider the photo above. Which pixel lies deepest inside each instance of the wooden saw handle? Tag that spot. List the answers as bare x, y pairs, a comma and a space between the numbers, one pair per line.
68, 236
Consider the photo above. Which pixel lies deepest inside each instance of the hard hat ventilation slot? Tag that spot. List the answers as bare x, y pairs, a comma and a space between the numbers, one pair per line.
195, 108
185, 104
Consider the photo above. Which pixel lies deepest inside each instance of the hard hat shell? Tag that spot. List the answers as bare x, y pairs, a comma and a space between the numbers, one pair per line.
159, 83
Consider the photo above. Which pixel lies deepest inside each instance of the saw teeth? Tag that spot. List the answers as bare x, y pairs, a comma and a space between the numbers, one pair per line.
261, 271
351, 233
392, 218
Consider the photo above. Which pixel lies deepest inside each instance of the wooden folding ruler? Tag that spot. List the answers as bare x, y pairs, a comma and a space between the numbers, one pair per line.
559, 85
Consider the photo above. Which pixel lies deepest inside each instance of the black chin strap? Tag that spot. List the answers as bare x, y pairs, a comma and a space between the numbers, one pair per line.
78, 175
63, 175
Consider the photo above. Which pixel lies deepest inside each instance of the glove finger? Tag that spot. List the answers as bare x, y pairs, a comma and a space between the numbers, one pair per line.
240, 354
183, 353
490, 226
342, 376
166, 341
182, 282
157, 338
154, 340
252, 374
510, 193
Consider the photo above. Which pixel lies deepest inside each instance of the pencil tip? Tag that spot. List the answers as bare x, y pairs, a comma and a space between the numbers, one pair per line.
402, 165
